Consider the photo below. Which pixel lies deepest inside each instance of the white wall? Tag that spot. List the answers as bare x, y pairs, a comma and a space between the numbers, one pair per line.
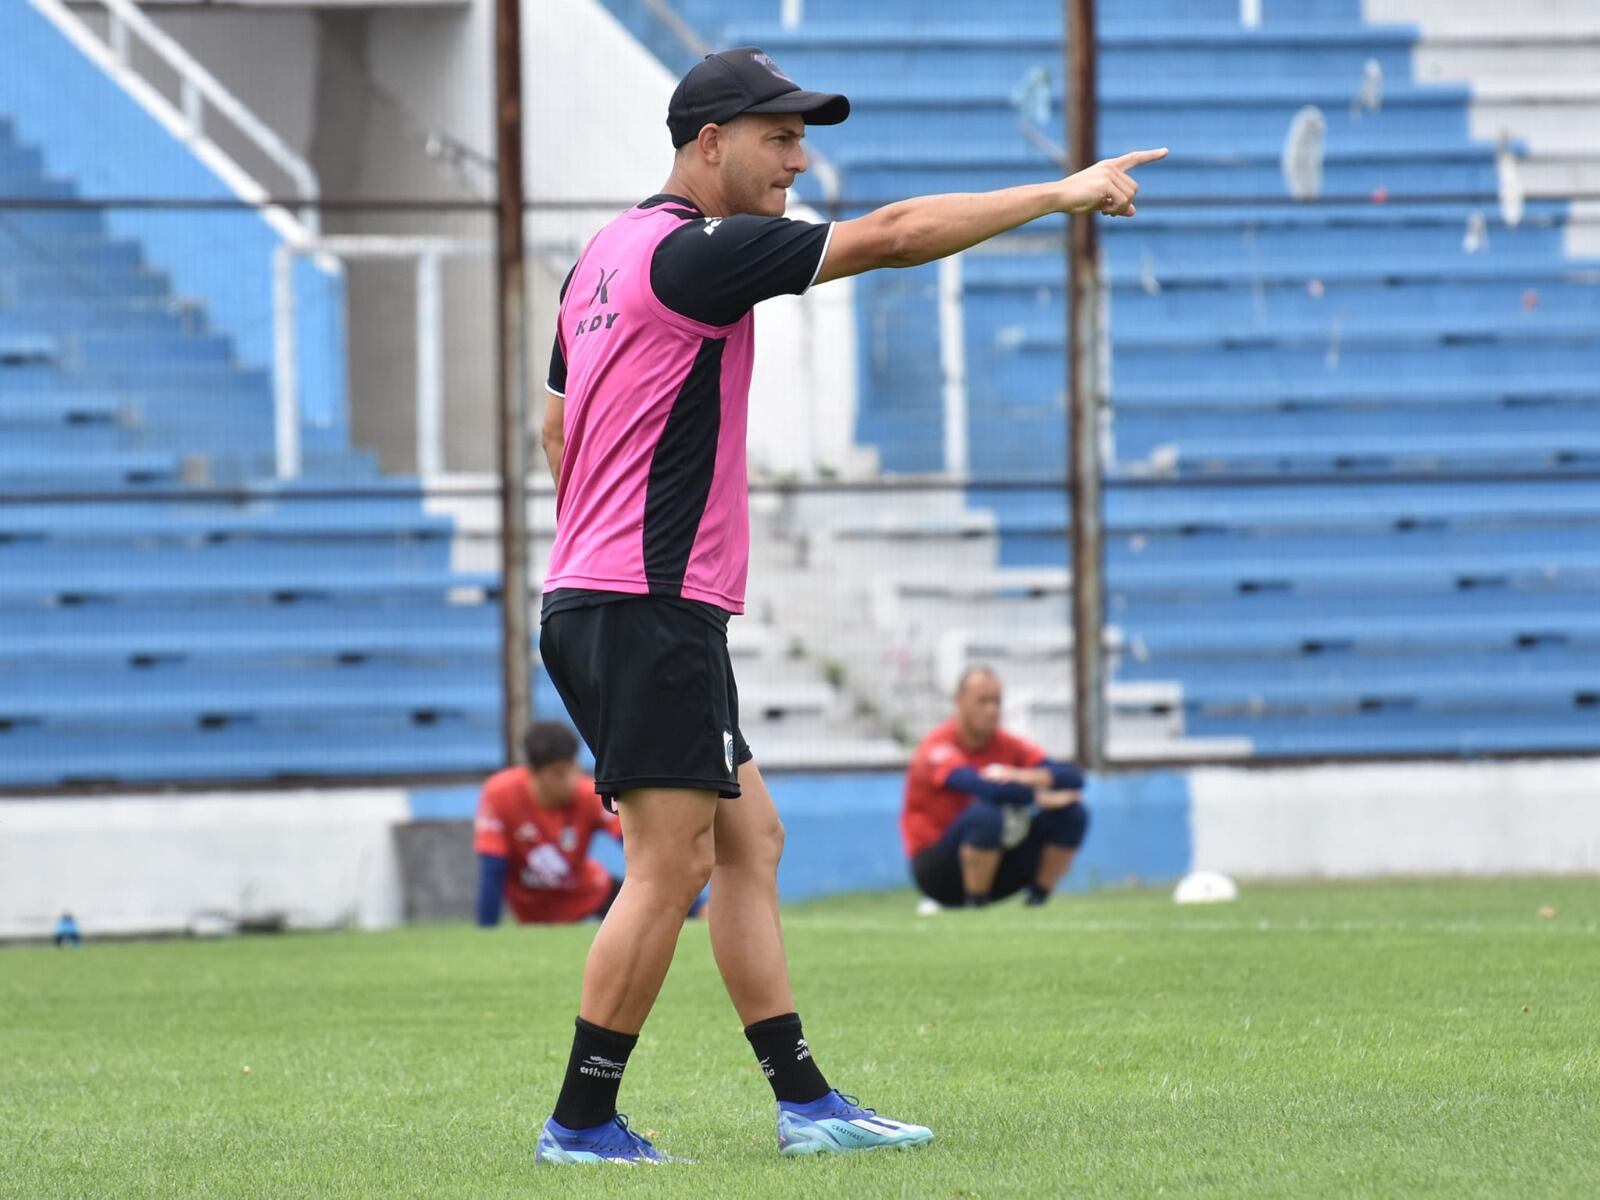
144, 864
356, 90
266, 58
1355, 822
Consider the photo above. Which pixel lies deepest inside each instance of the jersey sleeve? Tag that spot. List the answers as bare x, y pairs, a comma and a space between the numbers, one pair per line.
489, 827
935, 760
716, 269
556, 380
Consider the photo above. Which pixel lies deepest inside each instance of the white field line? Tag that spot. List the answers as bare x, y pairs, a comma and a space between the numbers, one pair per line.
988, 923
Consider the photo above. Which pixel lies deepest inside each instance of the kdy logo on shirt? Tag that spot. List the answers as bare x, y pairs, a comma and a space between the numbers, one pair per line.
602, 295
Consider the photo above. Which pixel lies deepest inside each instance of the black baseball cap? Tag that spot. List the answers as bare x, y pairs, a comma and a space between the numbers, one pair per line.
723, 86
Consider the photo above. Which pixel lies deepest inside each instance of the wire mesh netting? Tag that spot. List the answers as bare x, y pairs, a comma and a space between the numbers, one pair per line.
1349, 425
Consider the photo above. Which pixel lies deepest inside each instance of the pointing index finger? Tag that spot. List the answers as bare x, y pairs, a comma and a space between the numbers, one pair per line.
1139, 158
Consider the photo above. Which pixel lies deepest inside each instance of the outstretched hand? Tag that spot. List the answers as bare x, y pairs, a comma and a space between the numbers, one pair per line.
1108, 187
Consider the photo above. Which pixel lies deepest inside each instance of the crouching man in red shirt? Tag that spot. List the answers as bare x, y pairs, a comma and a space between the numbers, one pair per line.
988, 814
533, 831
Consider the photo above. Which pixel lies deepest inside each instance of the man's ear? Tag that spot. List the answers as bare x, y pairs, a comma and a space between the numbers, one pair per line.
713, 140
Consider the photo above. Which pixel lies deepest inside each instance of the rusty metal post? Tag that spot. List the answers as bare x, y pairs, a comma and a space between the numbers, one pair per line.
1085, 402
515, 667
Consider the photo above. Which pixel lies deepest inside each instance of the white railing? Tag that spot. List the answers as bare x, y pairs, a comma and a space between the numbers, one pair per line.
428, 253
198, 92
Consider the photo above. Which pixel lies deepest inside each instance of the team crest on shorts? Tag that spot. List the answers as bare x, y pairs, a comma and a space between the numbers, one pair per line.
727, 750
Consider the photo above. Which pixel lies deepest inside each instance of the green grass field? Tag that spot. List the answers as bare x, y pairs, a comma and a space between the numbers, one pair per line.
1428, 1039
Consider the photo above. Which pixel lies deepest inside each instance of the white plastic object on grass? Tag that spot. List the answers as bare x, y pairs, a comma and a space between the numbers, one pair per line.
929, 907
1205, 887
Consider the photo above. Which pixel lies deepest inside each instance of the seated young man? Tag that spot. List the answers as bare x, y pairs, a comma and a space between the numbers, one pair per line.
533, 831
988, 814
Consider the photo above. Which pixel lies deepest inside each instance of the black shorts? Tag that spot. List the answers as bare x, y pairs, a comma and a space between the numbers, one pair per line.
936, 869
937, 872
649, 685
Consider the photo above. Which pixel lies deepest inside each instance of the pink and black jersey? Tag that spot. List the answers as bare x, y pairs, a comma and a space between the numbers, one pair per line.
653, 355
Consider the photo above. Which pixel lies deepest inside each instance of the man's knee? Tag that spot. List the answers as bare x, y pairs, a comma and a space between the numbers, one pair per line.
754, 848
982, 826
684, 867
1064, 826
769, 844
701, 861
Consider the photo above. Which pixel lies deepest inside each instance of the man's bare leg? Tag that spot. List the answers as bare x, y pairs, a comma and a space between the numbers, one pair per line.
667, 840
747, 939
978, 868
1054, 863
746, 934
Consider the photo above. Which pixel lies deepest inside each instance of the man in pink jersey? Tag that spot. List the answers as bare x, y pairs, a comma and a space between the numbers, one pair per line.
645, 432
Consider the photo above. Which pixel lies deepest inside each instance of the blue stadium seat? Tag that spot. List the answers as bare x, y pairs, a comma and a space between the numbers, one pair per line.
1386, 731
360, 746
250, 584
111, 468
270, 635
1261, 645
1154, 511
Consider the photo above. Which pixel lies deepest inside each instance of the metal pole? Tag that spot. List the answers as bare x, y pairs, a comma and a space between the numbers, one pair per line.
513, 405
1083, 409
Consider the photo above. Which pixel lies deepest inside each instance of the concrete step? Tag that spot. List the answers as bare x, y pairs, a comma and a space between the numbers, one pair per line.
1485, 19
1508, 56
1557, 174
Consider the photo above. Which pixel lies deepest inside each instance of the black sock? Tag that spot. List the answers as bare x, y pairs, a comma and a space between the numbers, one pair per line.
786, 1059
977, 899
1036, 895
594, 1073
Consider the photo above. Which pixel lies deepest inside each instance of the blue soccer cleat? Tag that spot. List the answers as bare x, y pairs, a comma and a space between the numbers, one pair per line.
837, 1124
612, 1142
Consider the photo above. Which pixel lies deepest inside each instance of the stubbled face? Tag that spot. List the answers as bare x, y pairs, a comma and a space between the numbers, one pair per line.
556, 783
761, 156
978, 707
